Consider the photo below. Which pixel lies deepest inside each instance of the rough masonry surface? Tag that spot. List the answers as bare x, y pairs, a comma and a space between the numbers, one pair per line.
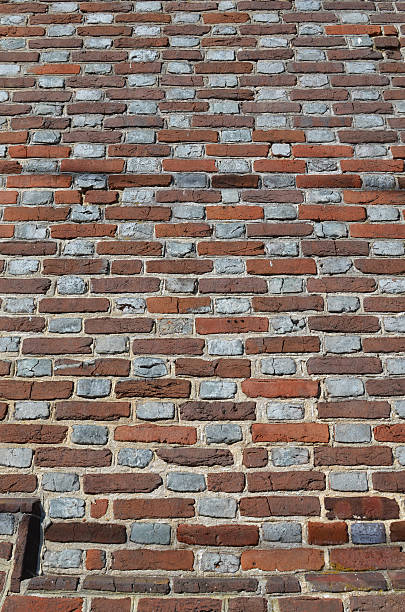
202, 322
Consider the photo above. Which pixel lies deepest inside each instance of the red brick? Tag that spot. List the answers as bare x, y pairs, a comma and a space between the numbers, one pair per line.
377, 230
234, 325
185, 604
94, 532
34, 434
10, 483
290, 432
121, 483
285, 481
71, 457
95, 559
57, 346
247, 604
228, 482
173, 507
164, 434
98, 508
37, 390
292, 387
389, 481
288, 304
385, 603
286, 344
368, 508
349, 455
222, 535
319, 212
159, 388
61, 305
102, 604
350, 581
146, 559
327, 534
281, 266
322, 151
367, 558
280, 506
310, 604
68, 231
22, 603
283, 560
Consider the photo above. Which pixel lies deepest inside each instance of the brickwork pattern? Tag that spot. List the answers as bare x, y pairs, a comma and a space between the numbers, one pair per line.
202, 341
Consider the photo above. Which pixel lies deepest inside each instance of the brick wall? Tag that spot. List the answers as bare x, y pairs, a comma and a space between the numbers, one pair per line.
202, 250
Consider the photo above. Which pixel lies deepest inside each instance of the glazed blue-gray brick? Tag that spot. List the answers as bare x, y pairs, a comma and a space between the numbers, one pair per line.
217, 507
368, 533
186, 482
135, 457
283, 532
224, 433
150, 533
93, 387
66, 507
60, 482
63, 559
149, 367
89, 434
31, 410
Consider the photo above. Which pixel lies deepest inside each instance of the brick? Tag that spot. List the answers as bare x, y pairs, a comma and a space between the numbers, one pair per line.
213, 585
344, 324
37, 434
217, 411
308, 432
300, 344
364, 603
366, 558
122, 483
64, 457
233, 325
309, 604
18, 603
282, 559
247, 604
279, 506
57, 346
169, 346
369, 508
284, 388
326, 534
353, 456
285, 481
156, 433
185, 604
224, 535
196, 456
222, 482
103, 604
86, 532
157, 560
162, 388
351, 581
392, 482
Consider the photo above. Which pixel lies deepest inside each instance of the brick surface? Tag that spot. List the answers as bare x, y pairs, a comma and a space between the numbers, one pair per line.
201, 312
